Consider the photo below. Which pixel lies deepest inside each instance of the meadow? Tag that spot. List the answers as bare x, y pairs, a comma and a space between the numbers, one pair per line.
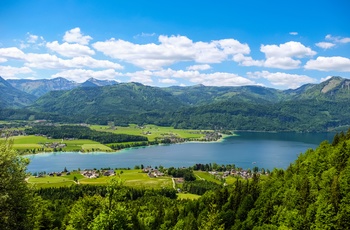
152, 132
133, 178
34, 144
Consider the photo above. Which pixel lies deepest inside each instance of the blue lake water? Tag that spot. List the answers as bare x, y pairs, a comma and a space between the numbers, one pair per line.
248, 149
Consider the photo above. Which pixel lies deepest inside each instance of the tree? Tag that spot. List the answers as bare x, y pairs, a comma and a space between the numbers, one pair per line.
15, 196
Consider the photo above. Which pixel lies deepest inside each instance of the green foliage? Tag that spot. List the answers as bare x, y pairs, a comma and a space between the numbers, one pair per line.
199, 186
312, 193
81, 132
15, 196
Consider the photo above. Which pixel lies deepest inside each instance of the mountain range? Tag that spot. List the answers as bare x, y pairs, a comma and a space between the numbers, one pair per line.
311, 107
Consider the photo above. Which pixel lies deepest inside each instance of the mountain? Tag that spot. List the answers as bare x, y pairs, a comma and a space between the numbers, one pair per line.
335, 88
11, 97
200, 94
115, 100
42, 86
93, 82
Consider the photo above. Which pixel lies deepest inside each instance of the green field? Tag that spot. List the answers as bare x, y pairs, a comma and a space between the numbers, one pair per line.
132, 178
37, 142
187, 196
150, 131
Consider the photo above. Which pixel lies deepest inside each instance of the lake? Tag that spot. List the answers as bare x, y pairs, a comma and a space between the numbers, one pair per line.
246, 150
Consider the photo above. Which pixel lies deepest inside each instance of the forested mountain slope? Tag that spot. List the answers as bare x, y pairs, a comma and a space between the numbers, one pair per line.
121, 99
11, 97
42, 86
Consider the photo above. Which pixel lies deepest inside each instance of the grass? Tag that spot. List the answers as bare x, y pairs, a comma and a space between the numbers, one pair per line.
36, 142
150, 131
33, 144
182, 196
132, 178
206, 176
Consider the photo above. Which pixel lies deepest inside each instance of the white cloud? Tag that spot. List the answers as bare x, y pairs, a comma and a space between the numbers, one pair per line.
282, 79
70, 50
144, 77
199, 67
282, 63
288, 49
47, 61
336, 63
167, 81
12, 53
325, 78
3, 59
32, 38
213, 79
81, 75
171, 50
11, 72
278, 56
325, 45
293, 33
75, 36
145, 35
337, 39
247, 61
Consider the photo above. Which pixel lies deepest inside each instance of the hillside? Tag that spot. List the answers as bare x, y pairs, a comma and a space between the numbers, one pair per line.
312, 107
335, 88
200, 94
11, 97
42, 86
121, 99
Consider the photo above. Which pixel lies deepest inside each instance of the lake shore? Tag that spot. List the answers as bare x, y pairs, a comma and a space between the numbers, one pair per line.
221, 139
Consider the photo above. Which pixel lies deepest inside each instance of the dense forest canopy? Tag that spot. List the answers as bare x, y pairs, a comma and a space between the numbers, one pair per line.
312, 193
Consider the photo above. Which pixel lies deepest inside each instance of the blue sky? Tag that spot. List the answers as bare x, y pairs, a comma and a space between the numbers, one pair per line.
279, 44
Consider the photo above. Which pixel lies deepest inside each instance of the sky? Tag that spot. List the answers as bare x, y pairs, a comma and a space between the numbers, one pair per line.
278, 44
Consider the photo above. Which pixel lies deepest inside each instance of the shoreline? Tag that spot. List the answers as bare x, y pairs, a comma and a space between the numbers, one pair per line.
221, 139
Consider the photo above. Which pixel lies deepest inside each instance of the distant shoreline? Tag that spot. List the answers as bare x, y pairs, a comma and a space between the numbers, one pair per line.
221, 139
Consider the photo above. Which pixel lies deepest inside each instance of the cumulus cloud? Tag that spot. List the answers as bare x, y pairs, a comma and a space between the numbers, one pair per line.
337, 39
212, 79
144, 77
167, 81
282, 63
81, 75
293, 33
199, 67
75, 36
288, 49
11, 72
281, 56
336, 63
247, 61
11, 53
47, 61
284, 80
70, 50
325, 45
171, 49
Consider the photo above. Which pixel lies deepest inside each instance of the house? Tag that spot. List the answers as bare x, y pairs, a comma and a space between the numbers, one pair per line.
109, 173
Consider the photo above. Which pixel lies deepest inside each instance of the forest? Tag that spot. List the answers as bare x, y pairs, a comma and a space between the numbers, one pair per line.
312, 193
81, 132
